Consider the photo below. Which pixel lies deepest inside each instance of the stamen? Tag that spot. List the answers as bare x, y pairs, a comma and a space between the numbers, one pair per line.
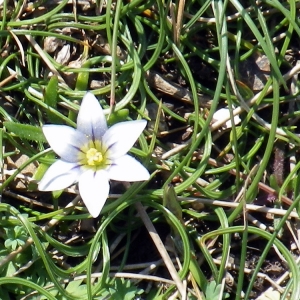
94, 157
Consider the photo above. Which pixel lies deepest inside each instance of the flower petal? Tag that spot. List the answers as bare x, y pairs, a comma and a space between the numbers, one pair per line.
91, 119
59, 176
120, 138
65, 141
127, 168
94, 189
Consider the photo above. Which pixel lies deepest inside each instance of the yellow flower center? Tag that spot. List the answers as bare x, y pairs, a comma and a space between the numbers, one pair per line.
94, 157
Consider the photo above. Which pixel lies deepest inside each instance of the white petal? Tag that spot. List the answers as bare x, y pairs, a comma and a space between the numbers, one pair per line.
94, 189
91, 119
59, 176
120, 138
127, 168
65, 141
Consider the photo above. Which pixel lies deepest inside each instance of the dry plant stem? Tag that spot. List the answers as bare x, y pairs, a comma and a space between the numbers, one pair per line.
251, 207
279, 254
174, 296
261, 185
29, 241
21, 10
115, 244
24, 267
161, 248
253, 100
164, 133
195, 286
59, 261
297, 228
46, 60
175, 150
283, 278
74, 2
213, 20
32, 91
244, 105
35, 93
294, 91
180, 12
235, 112
256, 222
19, 45
221, 293
111, 250
30, 179
241, 195
173, 19
236, 91
165, 86
214, 163
249, 271
139, 276
152, 267
289, 226
28, 200
8, 79
148, 265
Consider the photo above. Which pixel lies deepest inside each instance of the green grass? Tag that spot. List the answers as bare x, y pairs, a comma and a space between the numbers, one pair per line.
227, 222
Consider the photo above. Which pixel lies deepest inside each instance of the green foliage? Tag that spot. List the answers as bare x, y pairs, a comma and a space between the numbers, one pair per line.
51, 99
75, 289
25, 131
214, 56
16, 237
213, 291
83, 78
121, 289
117, 116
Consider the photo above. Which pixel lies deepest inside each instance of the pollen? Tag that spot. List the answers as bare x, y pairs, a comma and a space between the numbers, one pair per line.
94, 157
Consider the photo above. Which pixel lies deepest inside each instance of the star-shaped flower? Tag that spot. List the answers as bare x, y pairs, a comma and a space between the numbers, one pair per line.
92, 154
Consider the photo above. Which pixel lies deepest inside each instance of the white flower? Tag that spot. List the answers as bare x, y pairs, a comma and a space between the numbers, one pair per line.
92, 154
